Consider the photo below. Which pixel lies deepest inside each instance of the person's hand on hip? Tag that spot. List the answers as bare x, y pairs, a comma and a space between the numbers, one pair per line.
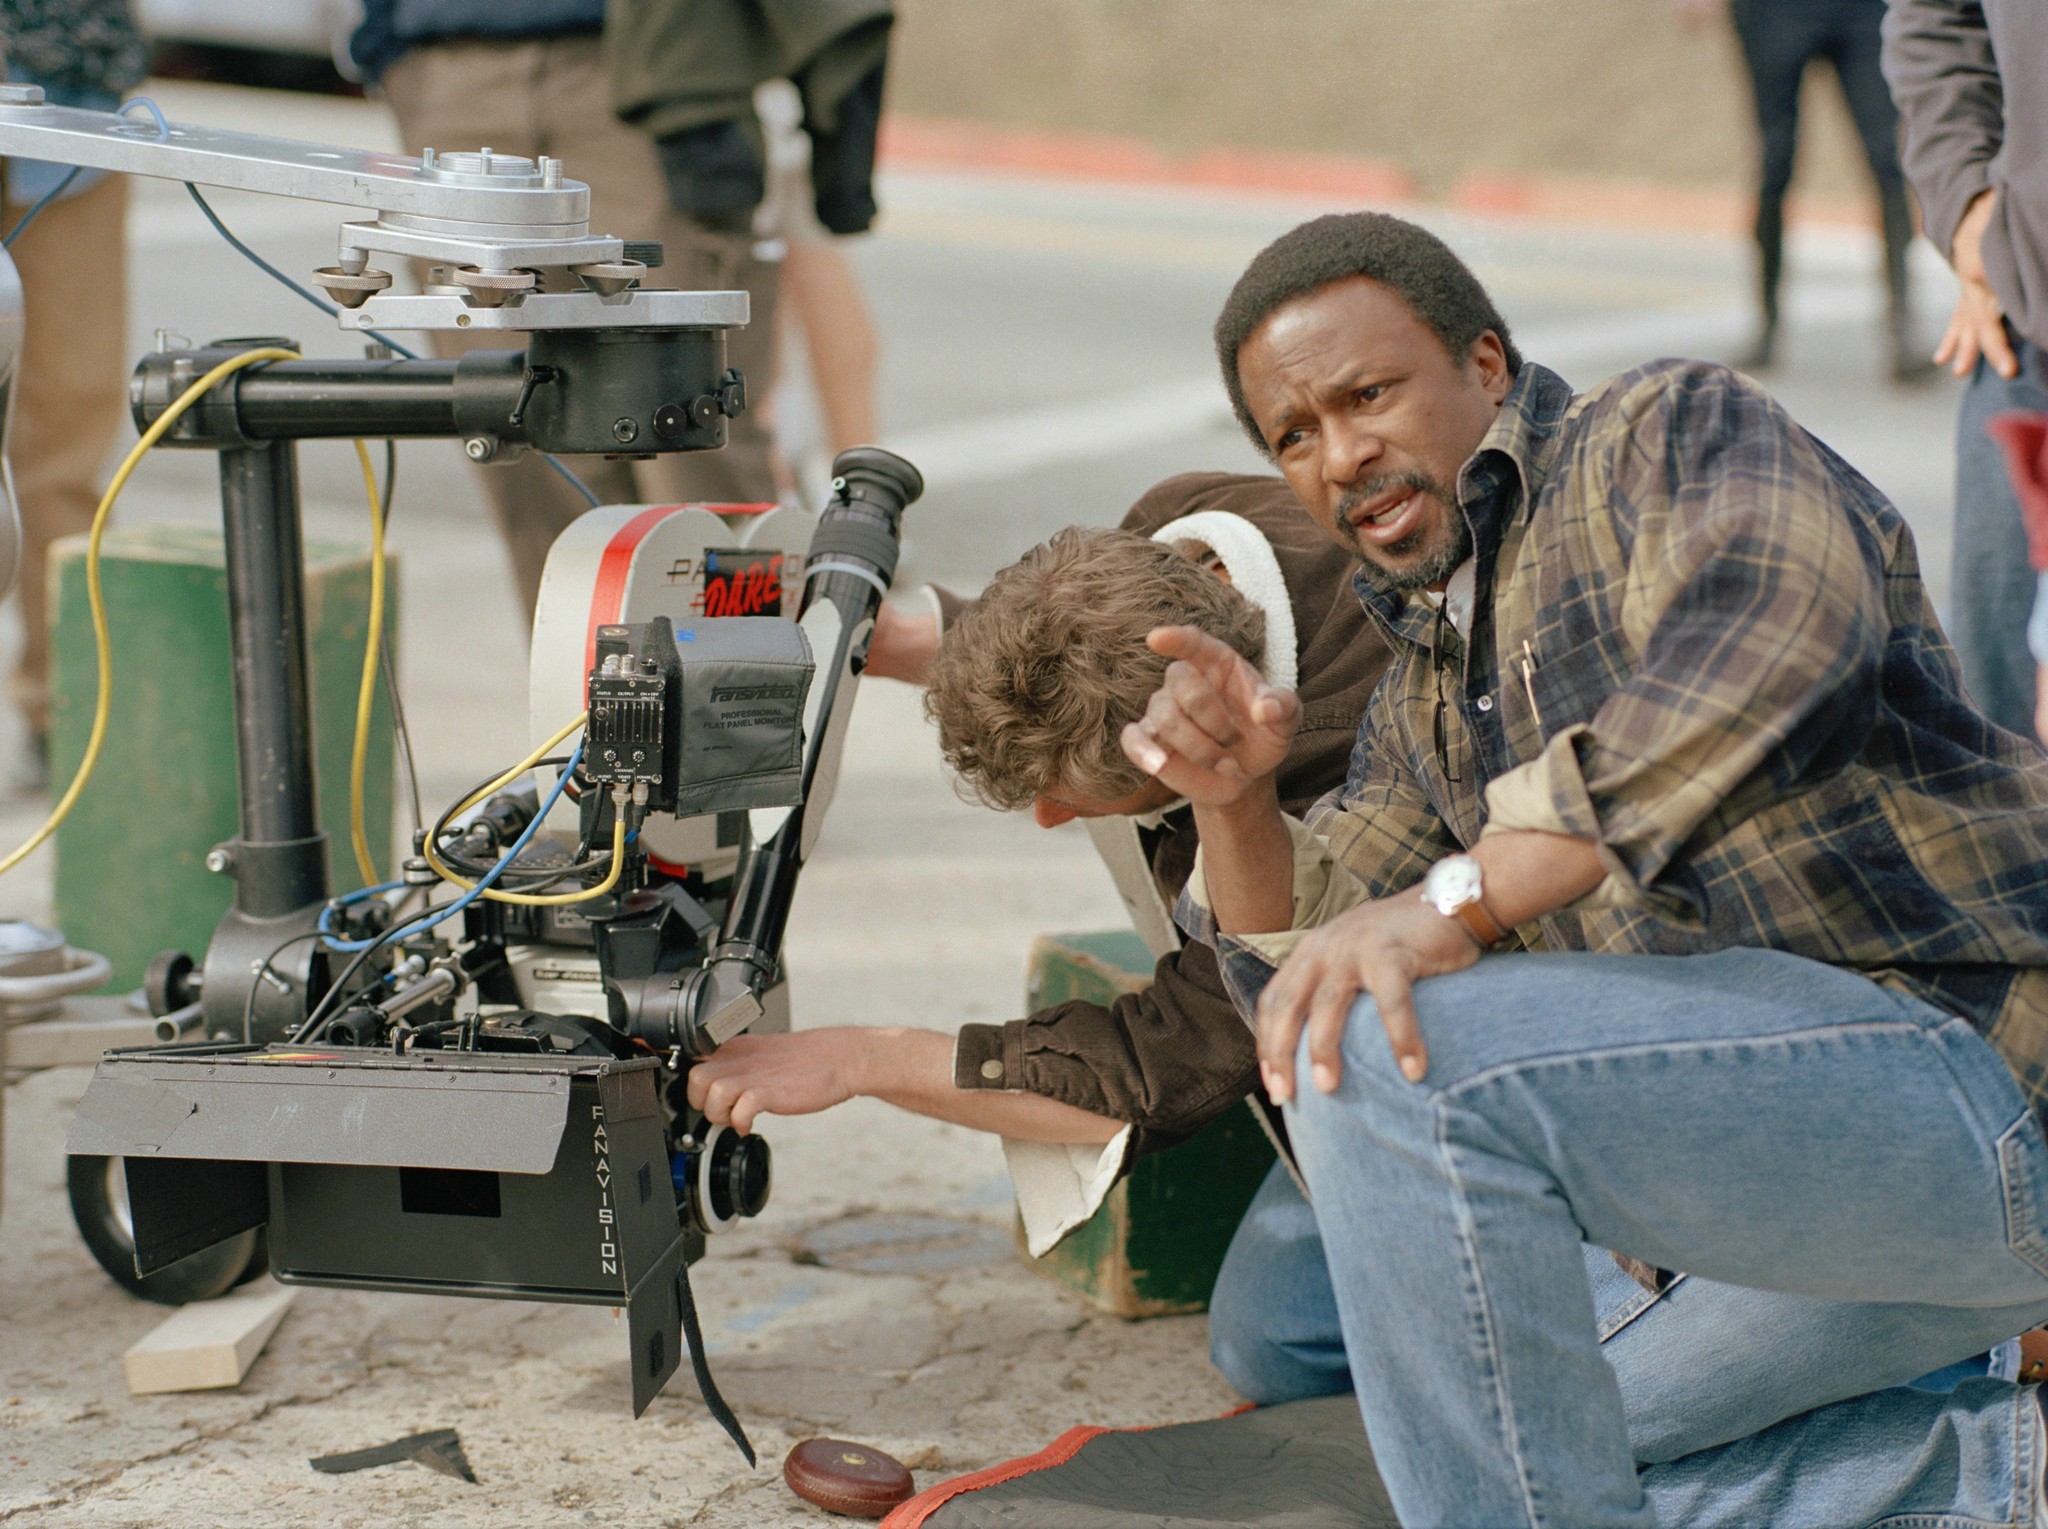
1977, 327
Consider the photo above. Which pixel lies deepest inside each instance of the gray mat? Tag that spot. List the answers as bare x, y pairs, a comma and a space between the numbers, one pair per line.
1304, 1465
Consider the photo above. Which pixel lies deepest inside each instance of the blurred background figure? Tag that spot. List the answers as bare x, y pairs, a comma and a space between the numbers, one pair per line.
694, 75
73, 393
1977, 143
532, 77
1779, 39
823, 318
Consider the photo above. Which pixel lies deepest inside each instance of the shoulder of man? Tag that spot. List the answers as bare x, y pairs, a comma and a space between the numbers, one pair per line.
1658, 423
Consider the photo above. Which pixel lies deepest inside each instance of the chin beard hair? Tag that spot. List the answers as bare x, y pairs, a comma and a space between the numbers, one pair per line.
1434, 568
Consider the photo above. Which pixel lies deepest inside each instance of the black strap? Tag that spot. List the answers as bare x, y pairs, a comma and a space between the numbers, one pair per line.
707, 1388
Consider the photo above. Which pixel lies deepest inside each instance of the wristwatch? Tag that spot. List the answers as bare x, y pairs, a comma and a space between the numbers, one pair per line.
1453, 888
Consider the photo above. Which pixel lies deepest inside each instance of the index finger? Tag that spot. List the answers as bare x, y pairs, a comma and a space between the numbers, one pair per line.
1228, 671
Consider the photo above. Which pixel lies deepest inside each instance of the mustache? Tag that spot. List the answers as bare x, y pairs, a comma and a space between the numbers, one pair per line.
1380, 483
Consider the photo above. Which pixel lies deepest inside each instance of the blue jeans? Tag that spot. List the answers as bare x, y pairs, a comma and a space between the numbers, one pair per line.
1991, 584
1853, 1179
1699, 1363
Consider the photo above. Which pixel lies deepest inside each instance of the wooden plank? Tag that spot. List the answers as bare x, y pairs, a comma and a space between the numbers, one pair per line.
70, 1042
208, 1344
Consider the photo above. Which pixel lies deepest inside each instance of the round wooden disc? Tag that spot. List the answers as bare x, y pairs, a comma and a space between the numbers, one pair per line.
846, 1478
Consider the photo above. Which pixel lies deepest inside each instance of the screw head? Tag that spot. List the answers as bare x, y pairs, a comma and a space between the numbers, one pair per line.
625, 430
479, 448
219, 861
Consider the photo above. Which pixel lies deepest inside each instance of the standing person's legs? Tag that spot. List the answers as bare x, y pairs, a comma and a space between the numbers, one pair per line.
823, 290
1853, 48
1777, 39
629, 196
469, 95
72, 396
1763, 1121
1991, 591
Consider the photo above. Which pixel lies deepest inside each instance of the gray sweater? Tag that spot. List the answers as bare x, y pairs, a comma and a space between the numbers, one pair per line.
1971, 81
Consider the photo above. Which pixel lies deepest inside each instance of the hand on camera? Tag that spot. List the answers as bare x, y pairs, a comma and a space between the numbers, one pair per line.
1214, 727
798, 1074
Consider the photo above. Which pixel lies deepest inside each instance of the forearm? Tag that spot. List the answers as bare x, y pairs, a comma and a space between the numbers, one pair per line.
913, 1070
1527, 874
1248, 862
904, 644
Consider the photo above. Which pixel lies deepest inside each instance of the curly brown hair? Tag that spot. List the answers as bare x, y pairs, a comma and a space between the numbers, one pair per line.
1031, 688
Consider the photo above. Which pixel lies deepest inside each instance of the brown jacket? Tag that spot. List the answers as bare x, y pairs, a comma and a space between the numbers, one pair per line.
1173, 1057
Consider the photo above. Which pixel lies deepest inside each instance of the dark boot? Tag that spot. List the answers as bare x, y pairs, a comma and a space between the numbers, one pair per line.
1909, 363
1762, 355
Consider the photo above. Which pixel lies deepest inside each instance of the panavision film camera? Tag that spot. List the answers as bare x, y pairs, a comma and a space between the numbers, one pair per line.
502, 1112
470, 1081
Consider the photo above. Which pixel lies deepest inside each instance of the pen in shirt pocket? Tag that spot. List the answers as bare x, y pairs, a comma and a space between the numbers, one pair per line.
1529, 684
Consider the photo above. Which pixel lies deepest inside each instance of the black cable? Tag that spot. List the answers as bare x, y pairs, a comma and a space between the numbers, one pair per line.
331, 311
579, 863
276, 275
399, 930
412, 774
441, 823
41, 202
339, 985
249, 1003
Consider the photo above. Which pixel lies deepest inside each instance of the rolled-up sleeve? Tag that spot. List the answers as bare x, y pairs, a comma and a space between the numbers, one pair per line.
1167, 1059
1753, 630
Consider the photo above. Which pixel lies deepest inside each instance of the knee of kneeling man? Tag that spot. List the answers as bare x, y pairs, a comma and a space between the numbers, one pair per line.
1363, 1049
1245, 1360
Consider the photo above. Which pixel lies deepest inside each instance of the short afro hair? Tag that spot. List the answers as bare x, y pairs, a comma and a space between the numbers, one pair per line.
1412, 261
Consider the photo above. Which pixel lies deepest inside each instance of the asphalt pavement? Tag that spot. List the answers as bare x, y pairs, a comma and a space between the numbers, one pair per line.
1046, 359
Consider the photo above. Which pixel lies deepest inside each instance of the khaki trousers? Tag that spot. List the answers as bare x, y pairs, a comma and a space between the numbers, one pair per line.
552, 96
72, 397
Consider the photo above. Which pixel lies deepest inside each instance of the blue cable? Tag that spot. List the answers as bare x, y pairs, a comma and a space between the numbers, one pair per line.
41, 202
163, 132
425, 921
163, 128
553, 461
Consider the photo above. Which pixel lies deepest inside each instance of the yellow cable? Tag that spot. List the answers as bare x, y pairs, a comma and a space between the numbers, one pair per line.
366, 692
102, 647
533, 899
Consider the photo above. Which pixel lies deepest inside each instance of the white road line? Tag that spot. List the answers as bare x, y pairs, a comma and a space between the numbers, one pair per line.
965, 453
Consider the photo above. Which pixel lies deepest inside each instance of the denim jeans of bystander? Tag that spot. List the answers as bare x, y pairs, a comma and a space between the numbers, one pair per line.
1812, 1147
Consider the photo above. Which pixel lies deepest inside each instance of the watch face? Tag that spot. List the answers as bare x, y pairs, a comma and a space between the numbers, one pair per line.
1451, 883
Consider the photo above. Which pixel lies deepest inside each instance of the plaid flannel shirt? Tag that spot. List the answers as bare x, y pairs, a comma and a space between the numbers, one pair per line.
1700, 640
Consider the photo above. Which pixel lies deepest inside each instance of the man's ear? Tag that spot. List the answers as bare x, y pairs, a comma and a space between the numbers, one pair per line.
1490, 359
1208, 557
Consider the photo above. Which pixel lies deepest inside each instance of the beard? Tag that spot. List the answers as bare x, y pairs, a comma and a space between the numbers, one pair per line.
1429, 554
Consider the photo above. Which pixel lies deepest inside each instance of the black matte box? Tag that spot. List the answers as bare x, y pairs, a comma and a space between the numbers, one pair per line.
528, 1178
741, 732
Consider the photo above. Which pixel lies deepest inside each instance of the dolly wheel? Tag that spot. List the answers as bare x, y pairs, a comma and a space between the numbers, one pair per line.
99, 1204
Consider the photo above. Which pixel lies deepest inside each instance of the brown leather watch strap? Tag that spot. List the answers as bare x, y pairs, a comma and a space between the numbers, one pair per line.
1480, 924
